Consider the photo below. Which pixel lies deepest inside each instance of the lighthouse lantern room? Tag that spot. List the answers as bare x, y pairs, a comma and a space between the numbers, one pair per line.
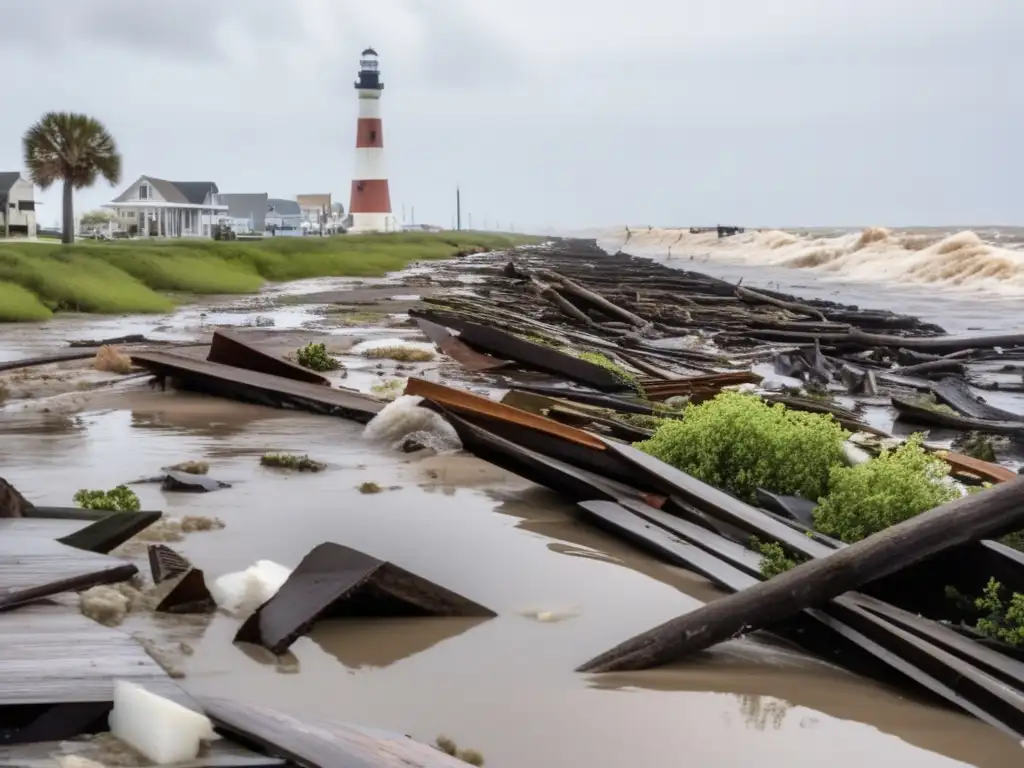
370, 204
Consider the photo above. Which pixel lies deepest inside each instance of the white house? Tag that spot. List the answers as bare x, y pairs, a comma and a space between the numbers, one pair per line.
247, 212
17, 205
283, 215
154, 207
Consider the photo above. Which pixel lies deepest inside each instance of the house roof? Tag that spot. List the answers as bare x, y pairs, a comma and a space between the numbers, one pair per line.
7, 179
307, 202
176, 191
283, 207
247, 206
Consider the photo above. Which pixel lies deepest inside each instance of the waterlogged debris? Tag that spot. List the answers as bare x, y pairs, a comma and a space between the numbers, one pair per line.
370, 487
291, 461
230, 348
12, 503
192, 467
333, 581
162, 730
406, 353
315, 357
165, 563
404, 422
110, 531
190, 483
457, 349
243, 592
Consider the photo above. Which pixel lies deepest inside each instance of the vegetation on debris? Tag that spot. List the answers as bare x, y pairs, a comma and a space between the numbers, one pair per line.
929, 402
895, 486
136, 276
291, 461
774, 559
389, 389
118, 499
641, 420
111, 360
449, 747
73, 150
620, 373
405, 353
191, 467
370, 487
1002, 620
739, 443
977, 446
315, 357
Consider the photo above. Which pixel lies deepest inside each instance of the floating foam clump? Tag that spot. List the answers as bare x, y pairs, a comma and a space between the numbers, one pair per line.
403, 419
245, 591
162, 730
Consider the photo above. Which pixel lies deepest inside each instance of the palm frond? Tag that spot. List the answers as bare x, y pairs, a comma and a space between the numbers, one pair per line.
65, 146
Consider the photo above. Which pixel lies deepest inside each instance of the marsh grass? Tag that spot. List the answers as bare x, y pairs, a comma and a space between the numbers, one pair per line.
291, 461
135, 276
400, 352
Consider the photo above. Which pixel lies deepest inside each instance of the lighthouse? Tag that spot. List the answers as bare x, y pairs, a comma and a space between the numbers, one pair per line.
370, 205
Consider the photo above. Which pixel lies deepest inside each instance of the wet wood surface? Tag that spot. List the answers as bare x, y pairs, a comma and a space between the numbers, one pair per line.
230, 348
53, 654
319, 744
33, 565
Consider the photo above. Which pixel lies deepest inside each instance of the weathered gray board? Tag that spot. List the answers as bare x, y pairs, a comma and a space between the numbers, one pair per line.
54, 655
260, 388
333, 581
319, 744
33, 566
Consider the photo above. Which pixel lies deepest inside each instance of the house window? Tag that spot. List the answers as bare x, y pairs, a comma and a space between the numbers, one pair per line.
143, 191
373, 135
26, 205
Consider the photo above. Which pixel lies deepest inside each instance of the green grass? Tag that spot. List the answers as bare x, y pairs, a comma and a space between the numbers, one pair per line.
136, 276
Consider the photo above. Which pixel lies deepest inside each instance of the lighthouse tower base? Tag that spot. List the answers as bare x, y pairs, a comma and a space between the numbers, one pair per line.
363, 223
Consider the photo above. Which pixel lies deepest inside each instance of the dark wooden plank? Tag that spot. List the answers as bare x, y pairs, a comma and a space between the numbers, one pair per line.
33, 566
12, 503
911, 410
458, 350
260, 388
230, 348
333, 581
319, 744
52, 655
57, 357
222, 753
110, 532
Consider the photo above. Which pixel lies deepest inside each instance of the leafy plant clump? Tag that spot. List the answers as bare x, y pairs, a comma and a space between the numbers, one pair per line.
774, 559
401, 352
1003, 621
370, 487
118, 499
291, 461
449, 747
315, 357
895, 486
620, 373
739, 443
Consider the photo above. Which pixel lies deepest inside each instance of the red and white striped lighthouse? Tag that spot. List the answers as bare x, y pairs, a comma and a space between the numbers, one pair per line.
370, 205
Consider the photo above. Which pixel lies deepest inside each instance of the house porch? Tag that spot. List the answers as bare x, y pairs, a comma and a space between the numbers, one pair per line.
157, 219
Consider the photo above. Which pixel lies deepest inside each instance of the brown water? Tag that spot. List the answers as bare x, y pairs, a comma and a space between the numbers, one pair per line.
504, 686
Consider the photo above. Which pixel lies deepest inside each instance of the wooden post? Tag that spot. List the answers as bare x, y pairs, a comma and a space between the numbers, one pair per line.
970, 518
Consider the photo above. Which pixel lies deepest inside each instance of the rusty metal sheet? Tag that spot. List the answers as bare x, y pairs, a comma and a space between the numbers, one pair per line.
466, 402
986, 470
228, 348
458, 350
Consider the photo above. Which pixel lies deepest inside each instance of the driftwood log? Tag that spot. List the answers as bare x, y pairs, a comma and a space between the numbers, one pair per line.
971, 518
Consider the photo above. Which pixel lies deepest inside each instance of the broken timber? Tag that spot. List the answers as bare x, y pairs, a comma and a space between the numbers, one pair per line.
458, 350
228, 348
971, 518
333, 581
259, 388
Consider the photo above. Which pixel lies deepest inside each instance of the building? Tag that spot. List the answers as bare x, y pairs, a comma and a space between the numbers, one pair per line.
316, 210
283, 215
17, 205
153, 207
247, 213
370, 202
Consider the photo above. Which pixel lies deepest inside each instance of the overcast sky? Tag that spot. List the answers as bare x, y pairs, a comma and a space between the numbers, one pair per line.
551, 113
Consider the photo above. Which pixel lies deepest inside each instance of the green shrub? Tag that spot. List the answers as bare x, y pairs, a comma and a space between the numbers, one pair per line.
774, 559
893, 487
738, 443
118, 499
1003, 621
315, 357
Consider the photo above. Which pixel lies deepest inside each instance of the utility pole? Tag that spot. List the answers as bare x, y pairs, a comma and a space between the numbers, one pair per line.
458, 209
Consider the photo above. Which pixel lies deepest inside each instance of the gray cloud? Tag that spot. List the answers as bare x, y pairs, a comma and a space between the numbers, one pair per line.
554, 113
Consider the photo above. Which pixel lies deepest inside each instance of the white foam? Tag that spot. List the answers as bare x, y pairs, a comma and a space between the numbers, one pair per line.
404, 419
162, 730
956, 261
242, 592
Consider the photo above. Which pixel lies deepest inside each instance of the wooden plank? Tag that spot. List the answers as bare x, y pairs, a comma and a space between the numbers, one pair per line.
12, 503
34, 566
229, 348
320, 744
335, 581
110, 532
222, 753
54, 655
260, 388
457, 349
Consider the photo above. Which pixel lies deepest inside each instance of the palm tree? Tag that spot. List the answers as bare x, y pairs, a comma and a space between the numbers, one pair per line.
74, 149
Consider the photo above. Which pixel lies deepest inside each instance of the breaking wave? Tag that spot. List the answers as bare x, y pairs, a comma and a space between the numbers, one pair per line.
961, 261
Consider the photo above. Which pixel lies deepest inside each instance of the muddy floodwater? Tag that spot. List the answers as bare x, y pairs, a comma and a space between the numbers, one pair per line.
563, 591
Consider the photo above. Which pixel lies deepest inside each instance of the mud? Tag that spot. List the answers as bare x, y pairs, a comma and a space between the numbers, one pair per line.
563, 591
